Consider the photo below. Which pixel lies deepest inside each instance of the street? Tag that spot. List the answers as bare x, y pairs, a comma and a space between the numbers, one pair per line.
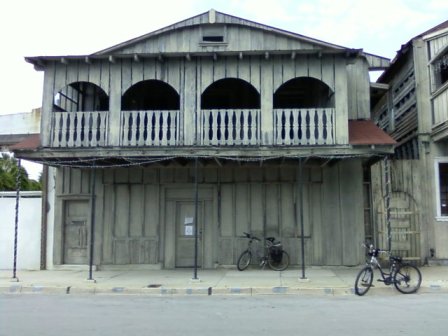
111, 315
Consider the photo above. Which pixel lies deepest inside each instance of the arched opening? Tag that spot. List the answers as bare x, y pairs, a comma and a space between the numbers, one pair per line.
150, 95
230, 93
81, 97
303, 92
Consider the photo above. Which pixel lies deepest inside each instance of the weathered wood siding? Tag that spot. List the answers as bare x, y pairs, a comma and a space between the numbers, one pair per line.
131, 215
407, 207
236, 38
191, 78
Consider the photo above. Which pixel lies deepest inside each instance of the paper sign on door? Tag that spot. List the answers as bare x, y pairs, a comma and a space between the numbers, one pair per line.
188, 223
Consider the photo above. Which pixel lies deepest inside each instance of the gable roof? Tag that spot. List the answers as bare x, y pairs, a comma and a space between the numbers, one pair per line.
149, 44
404, 52
215, 17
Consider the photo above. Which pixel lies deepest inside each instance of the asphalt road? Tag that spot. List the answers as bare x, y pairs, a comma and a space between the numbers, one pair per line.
110, 315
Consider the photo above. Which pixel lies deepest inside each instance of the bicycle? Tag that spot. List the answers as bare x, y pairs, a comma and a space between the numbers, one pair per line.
274, 256
405, 277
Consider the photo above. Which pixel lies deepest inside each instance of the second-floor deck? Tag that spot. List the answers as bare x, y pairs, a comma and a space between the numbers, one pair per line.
211, 127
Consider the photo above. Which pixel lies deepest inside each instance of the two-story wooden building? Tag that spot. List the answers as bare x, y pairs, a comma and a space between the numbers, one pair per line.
414, 111
255, 115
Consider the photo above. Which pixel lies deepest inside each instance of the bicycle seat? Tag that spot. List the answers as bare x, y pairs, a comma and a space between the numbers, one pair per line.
271, 239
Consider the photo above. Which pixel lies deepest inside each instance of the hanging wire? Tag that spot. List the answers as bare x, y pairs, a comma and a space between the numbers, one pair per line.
133, 161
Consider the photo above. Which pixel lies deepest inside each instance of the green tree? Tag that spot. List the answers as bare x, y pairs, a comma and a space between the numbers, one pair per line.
9, 169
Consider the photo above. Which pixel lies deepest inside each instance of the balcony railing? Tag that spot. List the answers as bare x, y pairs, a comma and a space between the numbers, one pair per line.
218, 127
149, 128
314, 126
230, 127
79, 129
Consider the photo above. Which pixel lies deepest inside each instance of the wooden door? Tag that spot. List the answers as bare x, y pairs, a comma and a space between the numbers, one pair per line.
76, 235
185, 233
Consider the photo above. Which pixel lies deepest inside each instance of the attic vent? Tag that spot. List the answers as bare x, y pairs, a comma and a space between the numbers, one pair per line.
213, 34
211, 38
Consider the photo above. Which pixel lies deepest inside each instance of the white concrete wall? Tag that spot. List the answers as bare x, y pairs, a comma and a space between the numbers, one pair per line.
20, 123
29, 230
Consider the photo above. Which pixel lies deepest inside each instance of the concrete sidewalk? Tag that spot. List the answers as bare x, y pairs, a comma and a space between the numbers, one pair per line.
319, 281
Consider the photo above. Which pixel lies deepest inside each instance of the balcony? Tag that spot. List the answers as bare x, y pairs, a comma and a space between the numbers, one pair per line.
215, 127
301, 113
79, 129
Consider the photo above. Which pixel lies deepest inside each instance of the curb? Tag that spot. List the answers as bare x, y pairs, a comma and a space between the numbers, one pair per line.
208, 291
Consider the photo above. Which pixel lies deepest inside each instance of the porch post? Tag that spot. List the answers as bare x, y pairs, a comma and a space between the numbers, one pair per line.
16, 222
196, 222
302, 230
92, 221
387, 199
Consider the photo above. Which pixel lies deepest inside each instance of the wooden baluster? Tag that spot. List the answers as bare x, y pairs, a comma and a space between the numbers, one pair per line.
332, 126
102, 128
65, 129
233, 127
173, 128
157, 121
294, 126
124, 126
57, 132
133, 128
145, 134
317, 126
137, 128
226, 133
71, 124
250, 127
165, 128
324, 126
245, 124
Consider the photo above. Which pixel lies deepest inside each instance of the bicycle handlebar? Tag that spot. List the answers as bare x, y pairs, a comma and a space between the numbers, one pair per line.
374, 251
249, 236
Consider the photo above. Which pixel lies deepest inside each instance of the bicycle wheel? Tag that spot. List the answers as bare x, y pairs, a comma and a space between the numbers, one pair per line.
407, 279
364, 281
244, 260
279, 263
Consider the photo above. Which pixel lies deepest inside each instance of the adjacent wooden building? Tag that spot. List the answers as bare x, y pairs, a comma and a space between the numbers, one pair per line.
271, 126
413, 109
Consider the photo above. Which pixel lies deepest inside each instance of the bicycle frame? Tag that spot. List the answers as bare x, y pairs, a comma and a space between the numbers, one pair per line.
405, 277
257, 251
387, 278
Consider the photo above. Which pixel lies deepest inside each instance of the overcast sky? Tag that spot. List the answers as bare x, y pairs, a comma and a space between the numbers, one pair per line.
61, 27
58, 27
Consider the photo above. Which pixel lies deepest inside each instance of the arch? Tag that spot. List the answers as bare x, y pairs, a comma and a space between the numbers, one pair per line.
303, 92
230, 93
80, 97
150, 94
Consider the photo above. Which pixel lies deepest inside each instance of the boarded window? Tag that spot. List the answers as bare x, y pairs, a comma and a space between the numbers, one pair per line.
213, 34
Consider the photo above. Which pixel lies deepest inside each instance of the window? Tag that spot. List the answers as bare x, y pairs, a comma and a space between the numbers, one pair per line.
441, 178
440, 68
213, 34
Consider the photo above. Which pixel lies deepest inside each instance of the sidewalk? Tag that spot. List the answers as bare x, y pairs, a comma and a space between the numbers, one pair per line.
319, 281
